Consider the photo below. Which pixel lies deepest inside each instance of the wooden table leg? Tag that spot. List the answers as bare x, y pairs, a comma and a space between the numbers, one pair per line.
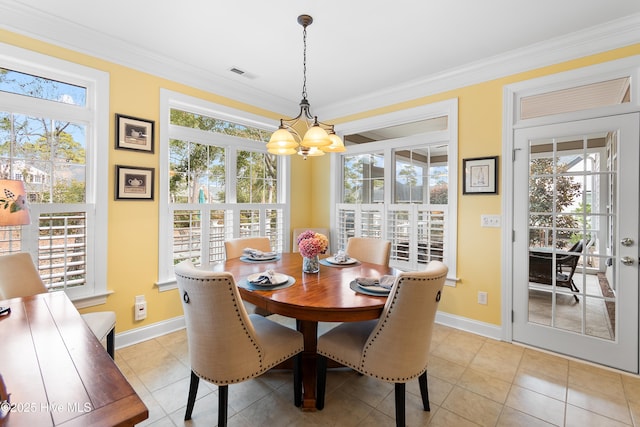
309, 330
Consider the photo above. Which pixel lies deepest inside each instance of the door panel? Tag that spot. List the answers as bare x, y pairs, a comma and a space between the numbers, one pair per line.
575, 200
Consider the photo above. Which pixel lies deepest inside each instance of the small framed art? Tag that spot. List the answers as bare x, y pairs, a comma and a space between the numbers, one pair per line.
480, 175
134, 183
134, 134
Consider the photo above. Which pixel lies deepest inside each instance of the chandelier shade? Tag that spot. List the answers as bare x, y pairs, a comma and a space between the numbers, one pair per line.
316, 137
337, 146
319, 137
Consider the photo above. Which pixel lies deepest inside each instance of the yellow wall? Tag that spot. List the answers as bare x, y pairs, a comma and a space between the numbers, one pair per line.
133, 226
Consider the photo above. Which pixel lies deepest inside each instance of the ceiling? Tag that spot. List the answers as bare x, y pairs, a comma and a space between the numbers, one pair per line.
356, 49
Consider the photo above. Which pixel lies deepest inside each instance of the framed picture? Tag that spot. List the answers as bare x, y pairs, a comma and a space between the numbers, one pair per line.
480, 175
134, 183
134, 134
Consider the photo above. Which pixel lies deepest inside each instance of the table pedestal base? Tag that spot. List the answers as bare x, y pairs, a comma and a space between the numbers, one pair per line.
309, 330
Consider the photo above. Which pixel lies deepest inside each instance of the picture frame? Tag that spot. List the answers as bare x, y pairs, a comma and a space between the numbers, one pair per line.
135, 134
480, 175
134, 183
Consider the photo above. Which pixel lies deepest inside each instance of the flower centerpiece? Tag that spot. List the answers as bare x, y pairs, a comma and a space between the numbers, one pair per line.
310, 245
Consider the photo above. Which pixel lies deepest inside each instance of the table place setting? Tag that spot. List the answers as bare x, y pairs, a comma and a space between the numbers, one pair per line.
373, 285
267, 280
255, 255
339, 259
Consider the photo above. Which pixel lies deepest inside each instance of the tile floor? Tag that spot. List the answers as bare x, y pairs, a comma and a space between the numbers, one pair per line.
473, 381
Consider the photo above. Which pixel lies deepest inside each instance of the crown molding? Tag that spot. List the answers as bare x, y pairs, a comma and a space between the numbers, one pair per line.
607, 36
601, 38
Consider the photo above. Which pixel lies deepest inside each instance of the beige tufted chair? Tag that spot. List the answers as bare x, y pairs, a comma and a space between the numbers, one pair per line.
227, 345
234, 248
368, 249
19, 278
394, 348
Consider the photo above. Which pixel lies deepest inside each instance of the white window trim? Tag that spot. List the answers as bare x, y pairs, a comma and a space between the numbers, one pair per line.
170, 99
447, 108
97, 154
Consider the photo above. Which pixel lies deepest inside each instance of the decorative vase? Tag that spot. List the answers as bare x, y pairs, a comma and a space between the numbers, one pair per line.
310, 264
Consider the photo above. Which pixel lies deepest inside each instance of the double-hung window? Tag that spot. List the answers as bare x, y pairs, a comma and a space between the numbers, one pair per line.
53, 137
217, 183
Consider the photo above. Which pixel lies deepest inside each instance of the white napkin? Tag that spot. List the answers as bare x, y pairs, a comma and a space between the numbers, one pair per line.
341, 256
255, 253
266, 278
385, 281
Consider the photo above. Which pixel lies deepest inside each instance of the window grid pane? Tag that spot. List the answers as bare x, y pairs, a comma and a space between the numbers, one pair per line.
363, 178
214, 125
42, 88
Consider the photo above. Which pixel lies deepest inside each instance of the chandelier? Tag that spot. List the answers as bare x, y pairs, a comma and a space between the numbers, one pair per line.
319, 137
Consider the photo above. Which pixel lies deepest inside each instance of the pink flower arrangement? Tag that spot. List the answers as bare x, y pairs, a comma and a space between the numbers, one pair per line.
311, 244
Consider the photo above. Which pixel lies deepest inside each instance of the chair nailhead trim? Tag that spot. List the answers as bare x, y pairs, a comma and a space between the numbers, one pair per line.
382, 325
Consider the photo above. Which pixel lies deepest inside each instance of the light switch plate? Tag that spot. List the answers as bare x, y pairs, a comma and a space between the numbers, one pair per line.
490, 221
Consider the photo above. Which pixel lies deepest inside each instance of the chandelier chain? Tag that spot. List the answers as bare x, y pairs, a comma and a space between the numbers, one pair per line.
304, 63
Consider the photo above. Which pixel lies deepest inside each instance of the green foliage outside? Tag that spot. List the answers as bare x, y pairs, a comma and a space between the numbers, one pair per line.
542, 200
197, 171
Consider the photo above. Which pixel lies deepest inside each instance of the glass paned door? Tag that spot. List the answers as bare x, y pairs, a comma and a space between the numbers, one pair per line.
575, 246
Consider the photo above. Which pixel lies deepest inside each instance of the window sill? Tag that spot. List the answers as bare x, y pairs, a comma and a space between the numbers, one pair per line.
89, 301
167, 285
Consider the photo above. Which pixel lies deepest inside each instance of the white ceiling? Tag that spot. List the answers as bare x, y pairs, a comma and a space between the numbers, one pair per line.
355, 48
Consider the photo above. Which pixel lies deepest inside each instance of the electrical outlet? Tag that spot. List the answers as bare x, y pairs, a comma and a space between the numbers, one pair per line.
482, 298
140, 308
490, 221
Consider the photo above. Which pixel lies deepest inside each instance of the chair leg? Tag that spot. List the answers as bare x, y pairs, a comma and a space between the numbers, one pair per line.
575, 289
297, 379
424, 391
111, 343
321, 381
400, 418
191, 400
223, 398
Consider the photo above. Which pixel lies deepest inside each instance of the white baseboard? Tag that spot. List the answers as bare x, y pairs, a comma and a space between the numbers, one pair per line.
134, 336
480, 328
144, 333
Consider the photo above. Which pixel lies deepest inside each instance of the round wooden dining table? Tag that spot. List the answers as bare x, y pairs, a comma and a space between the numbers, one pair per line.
314, 297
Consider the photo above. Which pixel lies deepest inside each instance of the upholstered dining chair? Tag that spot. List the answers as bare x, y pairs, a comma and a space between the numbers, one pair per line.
19, 278
395, 347
299, 231
227, 345
234, 248
368, 249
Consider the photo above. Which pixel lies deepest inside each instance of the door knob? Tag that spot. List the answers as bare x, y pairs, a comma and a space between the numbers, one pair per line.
627, 260
626, 241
